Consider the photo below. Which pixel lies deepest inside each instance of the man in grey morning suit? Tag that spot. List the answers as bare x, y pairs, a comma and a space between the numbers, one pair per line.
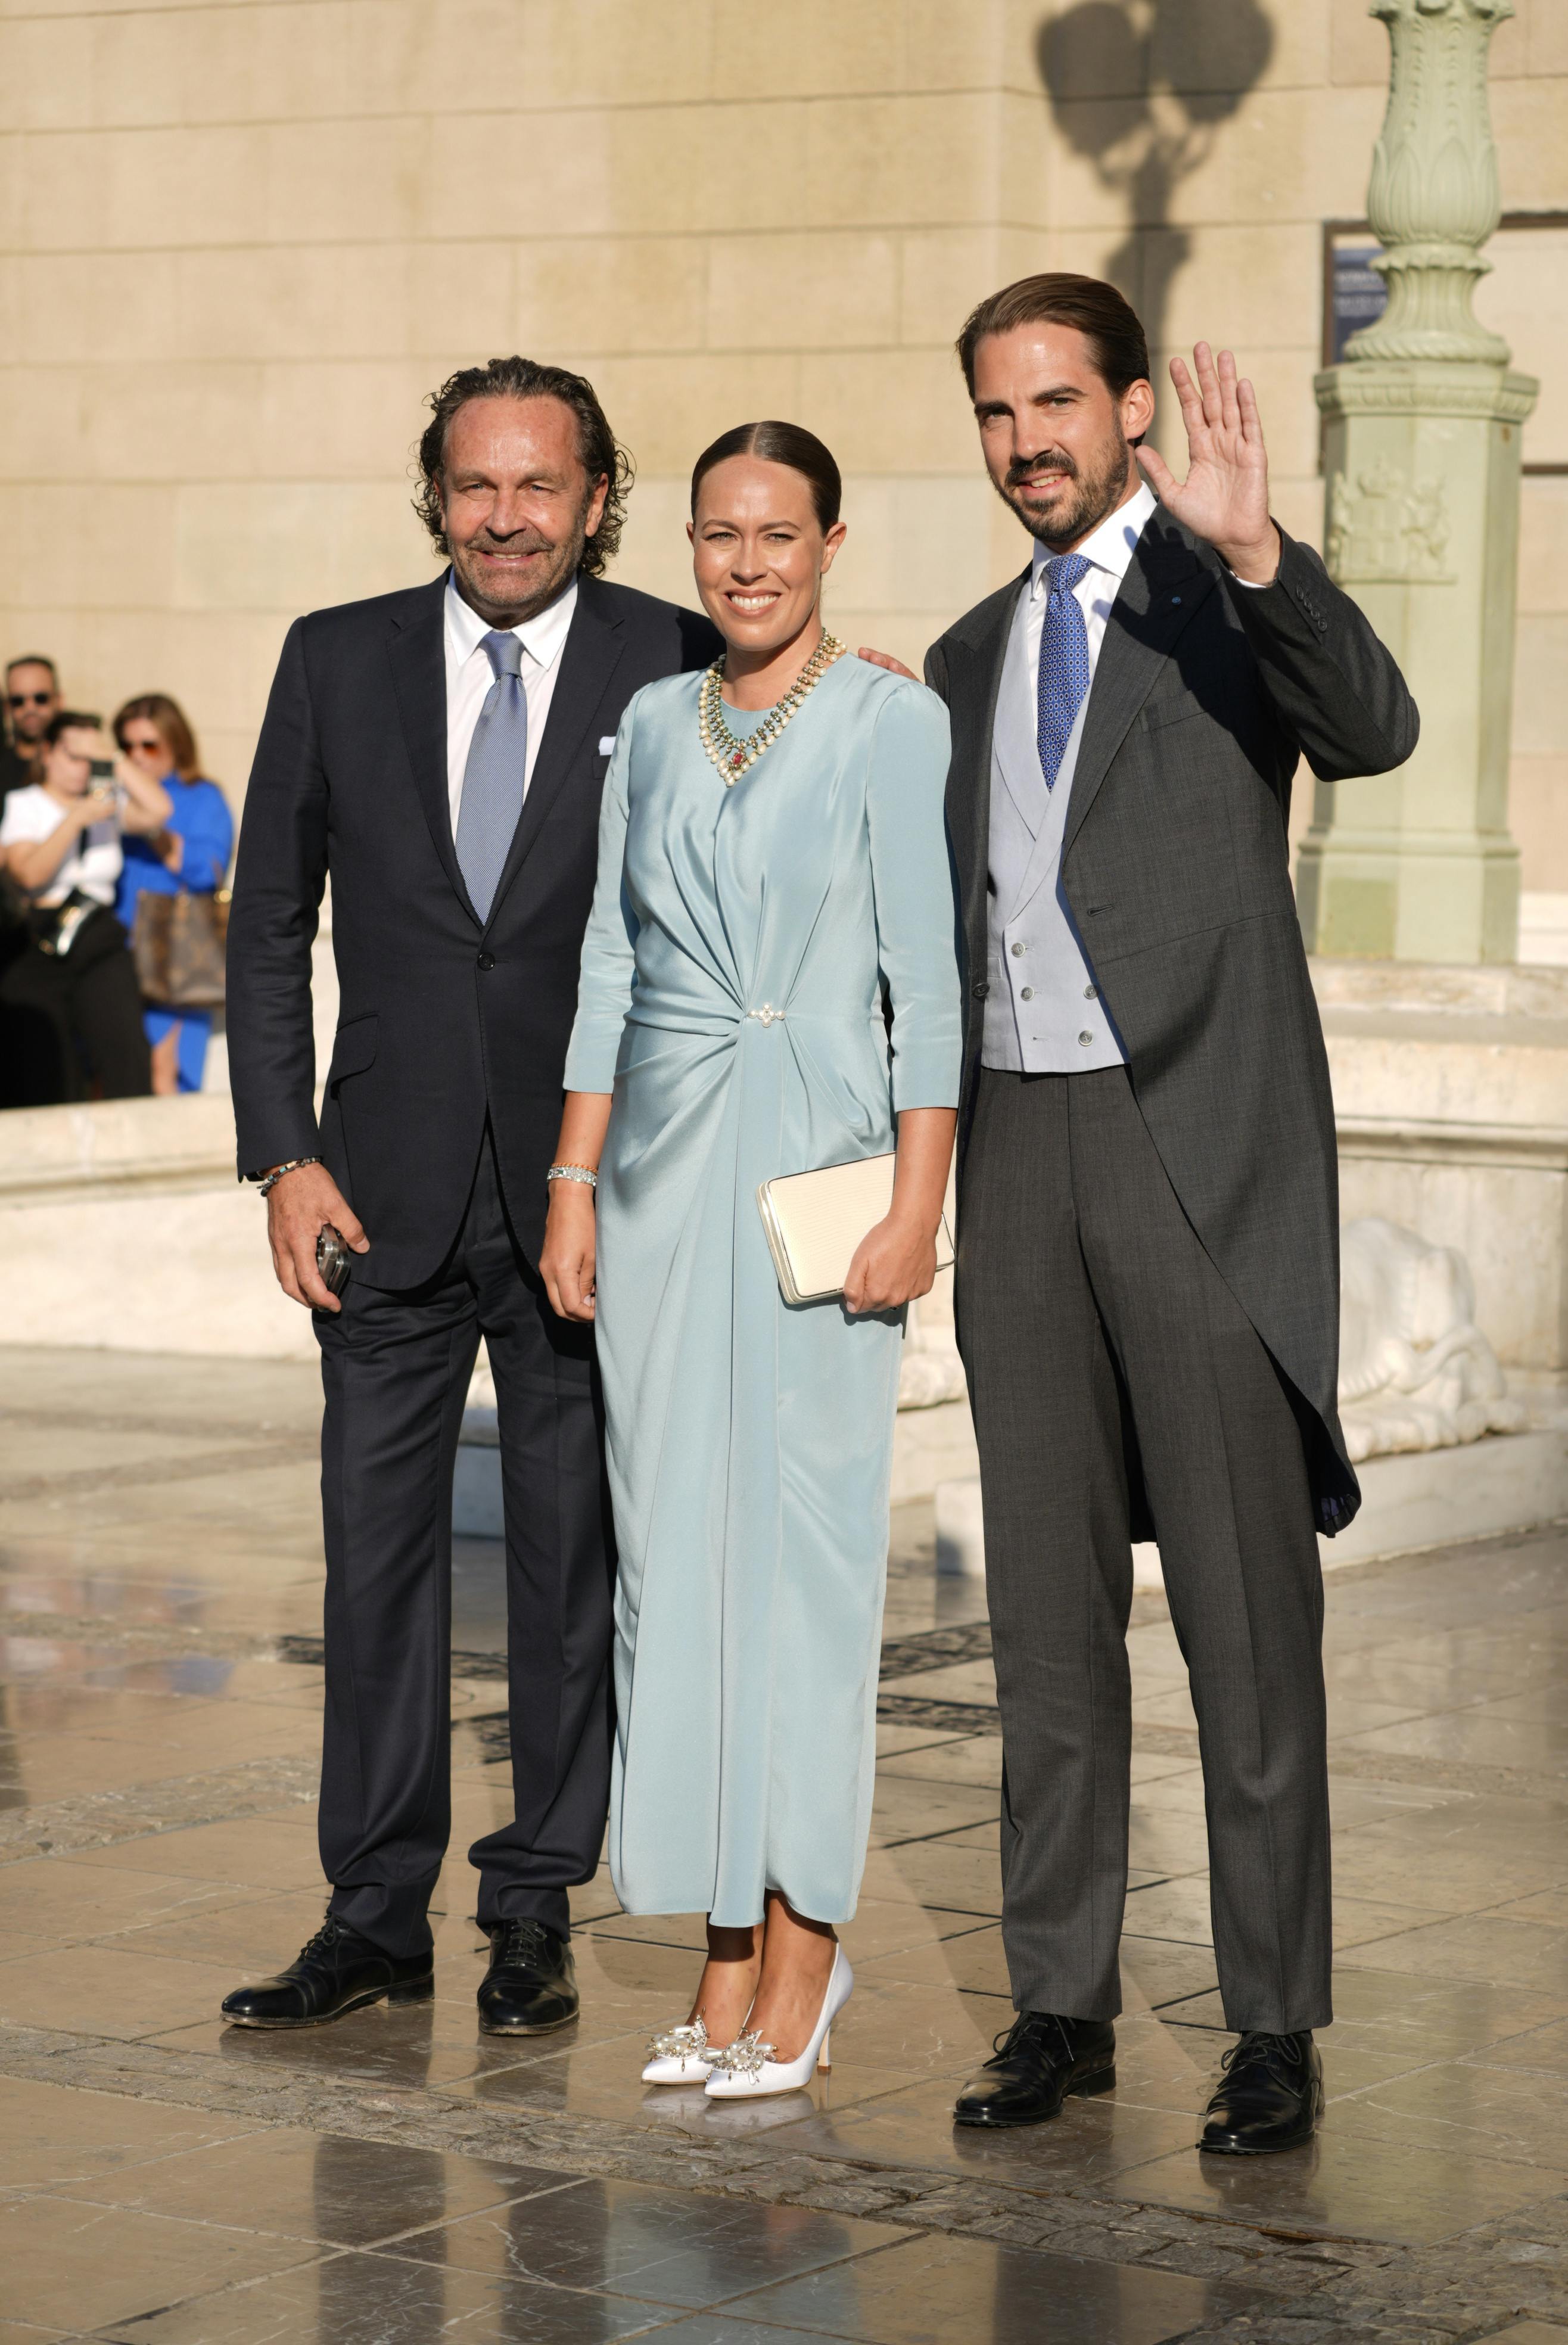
1148, 1286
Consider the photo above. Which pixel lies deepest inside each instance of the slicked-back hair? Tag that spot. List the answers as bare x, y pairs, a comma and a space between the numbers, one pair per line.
33, 659
603, 456
1110, 324
779, 443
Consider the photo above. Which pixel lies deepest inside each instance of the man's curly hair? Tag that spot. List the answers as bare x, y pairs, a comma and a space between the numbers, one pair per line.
517, 378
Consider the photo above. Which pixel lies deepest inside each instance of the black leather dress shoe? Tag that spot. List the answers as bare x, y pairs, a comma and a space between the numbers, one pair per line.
1040, 2060
530, 1986
1271, 2098
335, 1973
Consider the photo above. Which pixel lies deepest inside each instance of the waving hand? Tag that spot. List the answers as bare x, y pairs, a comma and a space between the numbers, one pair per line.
1225, 496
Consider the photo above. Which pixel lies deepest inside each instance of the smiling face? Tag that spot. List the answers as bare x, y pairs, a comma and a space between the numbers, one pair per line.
1054, 435
516, 504
758, 553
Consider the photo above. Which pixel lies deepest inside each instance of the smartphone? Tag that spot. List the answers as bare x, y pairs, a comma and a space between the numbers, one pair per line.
334, 1259
102, 769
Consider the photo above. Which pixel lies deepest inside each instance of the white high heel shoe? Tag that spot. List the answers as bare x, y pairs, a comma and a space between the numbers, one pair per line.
746, 2069
681, 2056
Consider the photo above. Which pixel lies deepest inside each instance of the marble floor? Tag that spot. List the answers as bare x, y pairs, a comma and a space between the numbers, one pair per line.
397, 2179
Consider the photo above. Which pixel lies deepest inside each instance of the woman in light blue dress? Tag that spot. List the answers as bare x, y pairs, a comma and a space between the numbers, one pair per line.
769, 985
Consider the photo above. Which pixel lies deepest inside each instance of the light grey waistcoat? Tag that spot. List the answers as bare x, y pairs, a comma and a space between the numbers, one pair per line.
1042, 1012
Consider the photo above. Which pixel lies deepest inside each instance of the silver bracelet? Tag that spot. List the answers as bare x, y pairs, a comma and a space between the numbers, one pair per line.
295, 1164
573, 1173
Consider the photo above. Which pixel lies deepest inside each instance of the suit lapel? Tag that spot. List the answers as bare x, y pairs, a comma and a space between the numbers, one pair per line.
417, 652
1164, 585
589, 660
975, 672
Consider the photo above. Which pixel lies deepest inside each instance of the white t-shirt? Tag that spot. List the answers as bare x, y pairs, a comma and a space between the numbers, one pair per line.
93, 864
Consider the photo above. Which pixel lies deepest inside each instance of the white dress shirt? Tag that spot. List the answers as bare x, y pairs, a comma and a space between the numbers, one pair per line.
470, 676
1043, 1010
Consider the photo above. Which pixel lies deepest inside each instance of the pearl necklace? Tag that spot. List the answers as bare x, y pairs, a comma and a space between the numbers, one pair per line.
735, 756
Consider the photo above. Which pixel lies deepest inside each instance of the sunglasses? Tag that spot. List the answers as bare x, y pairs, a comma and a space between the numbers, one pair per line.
131, 741
30, 699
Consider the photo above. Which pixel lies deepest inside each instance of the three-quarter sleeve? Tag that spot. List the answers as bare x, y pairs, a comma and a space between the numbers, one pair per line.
610, 943
917, 904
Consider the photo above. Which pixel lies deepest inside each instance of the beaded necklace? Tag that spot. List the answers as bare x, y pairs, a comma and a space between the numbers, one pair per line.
734, 755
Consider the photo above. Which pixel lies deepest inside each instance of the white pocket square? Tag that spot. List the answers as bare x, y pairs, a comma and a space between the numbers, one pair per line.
607, 746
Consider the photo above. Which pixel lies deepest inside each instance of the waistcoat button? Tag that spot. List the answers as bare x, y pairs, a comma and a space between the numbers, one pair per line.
487, 960
1085, 1038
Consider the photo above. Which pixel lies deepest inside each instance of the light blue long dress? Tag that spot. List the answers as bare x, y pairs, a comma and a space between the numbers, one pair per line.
749, 1441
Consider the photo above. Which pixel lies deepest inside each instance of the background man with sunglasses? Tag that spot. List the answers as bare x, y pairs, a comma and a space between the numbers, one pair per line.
32, 702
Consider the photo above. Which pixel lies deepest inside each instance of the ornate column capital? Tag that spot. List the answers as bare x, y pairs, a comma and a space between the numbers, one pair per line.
1434, 198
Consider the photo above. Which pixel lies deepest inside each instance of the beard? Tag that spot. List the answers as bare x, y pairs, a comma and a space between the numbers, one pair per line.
548, 577
1089, 492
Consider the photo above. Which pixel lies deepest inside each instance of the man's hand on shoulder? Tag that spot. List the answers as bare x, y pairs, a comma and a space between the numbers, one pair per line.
1225, 496
296, 1210
886, 660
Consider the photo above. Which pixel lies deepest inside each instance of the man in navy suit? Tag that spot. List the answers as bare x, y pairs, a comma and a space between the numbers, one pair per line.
438, 754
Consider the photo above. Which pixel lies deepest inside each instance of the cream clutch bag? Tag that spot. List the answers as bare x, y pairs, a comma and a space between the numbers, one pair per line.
815, 1220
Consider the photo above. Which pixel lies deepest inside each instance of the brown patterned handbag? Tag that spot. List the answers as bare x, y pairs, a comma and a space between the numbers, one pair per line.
179, 943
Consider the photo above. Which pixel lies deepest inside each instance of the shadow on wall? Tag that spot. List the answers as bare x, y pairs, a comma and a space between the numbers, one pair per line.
1140, 88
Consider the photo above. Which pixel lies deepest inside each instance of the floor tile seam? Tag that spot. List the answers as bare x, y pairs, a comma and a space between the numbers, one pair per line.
604, 2146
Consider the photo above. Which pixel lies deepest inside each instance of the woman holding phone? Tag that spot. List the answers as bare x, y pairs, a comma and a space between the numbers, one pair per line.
72, 1016
769, 985
189, 855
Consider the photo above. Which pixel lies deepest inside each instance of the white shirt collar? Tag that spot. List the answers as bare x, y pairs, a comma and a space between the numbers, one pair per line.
541, 637
1108, 547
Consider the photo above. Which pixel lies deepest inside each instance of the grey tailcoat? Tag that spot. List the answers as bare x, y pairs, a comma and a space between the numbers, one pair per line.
1176, 870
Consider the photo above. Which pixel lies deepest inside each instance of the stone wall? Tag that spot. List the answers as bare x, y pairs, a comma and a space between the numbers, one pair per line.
238, 243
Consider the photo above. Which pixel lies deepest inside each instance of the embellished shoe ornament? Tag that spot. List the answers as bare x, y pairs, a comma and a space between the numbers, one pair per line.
681, 2056
746, 2069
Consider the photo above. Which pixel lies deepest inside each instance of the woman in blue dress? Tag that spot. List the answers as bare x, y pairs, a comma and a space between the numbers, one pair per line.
769, 985
191, 852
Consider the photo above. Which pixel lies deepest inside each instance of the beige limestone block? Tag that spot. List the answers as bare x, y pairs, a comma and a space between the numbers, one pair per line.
285, 546
340, 422
1527, 121
46, 73
1547, 33
1359, 45
969, 44
942, 274
1544, 545
904, 410
915, 545
85, 309
276, 301
911, 161
1525, 300
1538, 814
584, 171
668, 409
1273, 268
89, 548
339, 182
571, 55
612, 294
187, 423
839, 290
1286, 155
1541, 669
813, 48
656, 555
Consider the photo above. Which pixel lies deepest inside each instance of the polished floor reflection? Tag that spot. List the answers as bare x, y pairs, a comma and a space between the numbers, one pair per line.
395, 2179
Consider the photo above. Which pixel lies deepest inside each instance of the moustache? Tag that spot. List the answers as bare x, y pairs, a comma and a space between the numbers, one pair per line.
1054, 460
522, 541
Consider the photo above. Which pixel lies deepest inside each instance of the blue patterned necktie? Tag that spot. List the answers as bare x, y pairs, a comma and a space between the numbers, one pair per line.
1064, 663
493, 777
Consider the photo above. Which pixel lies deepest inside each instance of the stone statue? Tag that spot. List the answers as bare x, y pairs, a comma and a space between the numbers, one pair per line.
1415, 1370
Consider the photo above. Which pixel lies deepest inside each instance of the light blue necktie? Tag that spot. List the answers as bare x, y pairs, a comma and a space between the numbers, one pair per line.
494, 775
1064, 664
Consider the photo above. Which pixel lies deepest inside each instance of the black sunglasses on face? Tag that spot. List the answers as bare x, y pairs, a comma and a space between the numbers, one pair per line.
30, 699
